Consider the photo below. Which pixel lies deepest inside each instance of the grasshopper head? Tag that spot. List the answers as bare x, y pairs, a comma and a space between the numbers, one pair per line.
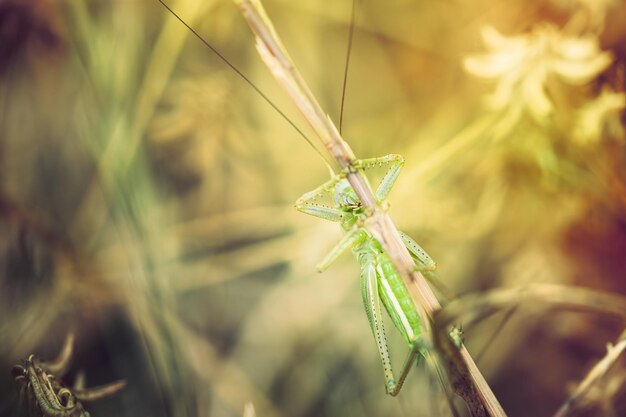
345, 197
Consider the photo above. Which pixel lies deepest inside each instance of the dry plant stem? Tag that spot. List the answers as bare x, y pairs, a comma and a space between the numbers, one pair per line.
474, 308
46, 395
61, 364
595, 374
461, 370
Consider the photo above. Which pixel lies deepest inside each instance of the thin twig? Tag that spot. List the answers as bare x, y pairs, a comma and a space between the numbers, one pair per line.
476, 307
60, 365
595, 374
461, 370
503, 322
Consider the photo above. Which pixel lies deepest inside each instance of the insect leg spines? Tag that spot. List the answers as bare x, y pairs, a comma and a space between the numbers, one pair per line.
408, 364
426, 265
307, 202
423, 261
323, 212
396, 162
371, 302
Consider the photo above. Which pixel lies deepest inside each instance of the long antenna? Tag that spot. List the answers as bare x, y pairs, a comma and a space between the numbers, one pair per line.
249, 82
345, 69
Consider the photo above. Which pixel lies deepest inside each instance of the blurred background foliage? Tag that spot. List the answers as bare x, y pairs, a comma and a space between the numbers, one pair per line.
146, 196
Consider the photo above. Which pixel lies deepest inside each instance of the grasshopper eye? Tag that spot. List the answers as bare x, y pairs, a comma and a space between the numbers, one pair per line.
345, 195
346, 200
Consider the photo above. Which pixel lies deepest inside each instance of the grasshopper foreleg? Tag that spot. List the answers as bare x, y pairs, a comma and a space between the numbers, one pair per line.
396, 162
307, 202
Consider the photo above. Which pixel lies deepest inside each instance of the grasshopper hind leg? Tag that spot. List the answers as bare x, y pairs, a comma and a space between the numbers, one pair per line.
371, 301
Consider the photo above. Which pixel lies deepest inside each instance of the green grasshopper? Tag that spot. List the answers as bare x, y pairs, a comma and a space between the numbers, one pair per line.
380, 280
